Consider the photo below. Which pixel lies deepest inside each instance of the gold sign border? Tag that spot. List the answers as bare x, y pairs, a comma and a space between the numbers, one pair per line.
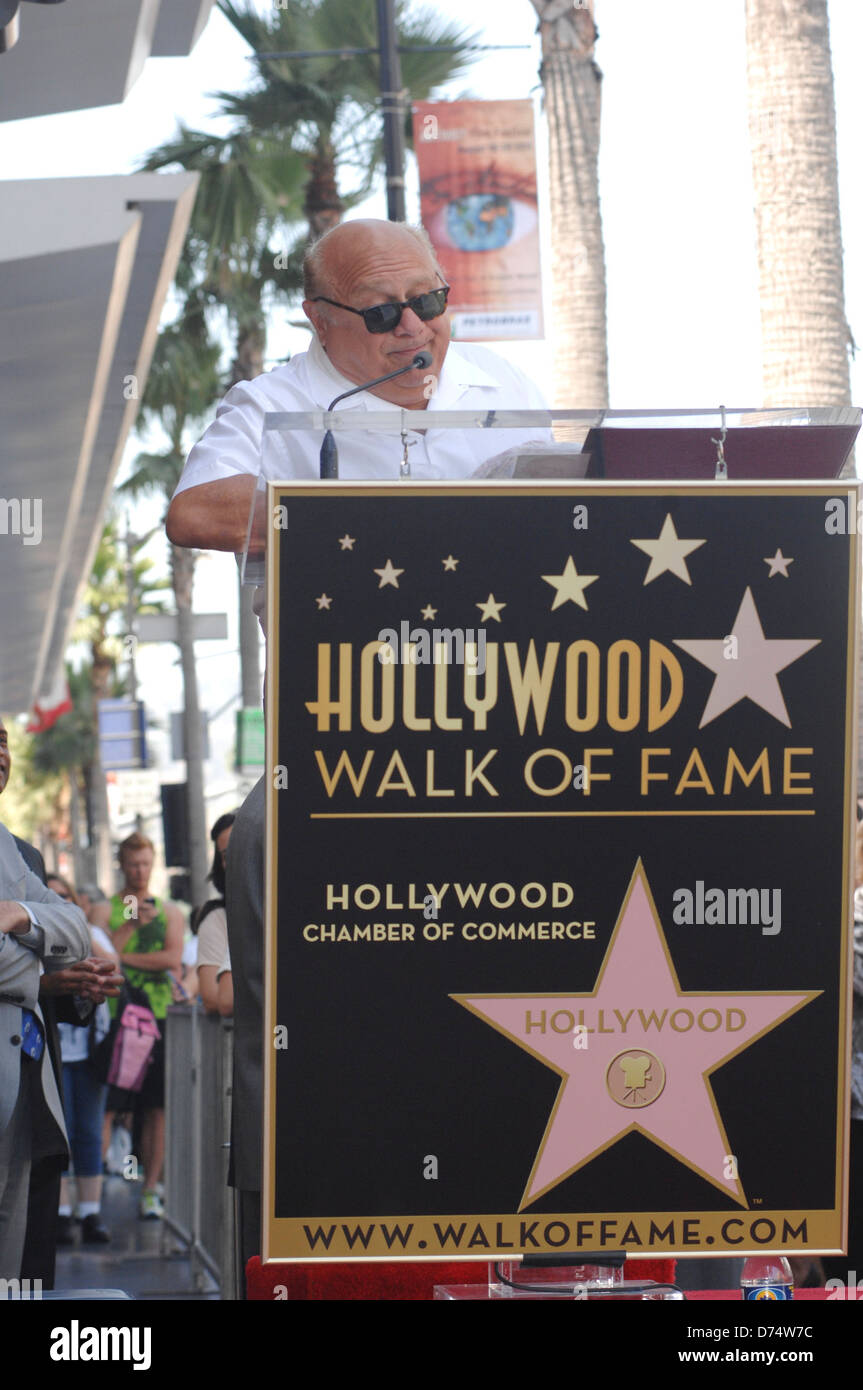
281, 1235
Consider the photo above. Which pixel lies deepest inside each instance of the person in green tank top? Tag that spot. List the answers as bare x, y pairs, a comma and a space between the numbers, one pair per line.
147, 935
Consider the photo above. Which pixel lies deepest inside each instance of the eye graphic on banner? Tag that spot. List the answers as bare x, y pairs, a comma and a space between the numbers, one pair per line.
478, 199
483, 210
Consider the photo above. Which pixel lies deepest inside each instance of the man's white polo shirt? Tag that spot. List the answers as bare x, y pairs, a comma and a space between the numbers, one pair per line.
472, 378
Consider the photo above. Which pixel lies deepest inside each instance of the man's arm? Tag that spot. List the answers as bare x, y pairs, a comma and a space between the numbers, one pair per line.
225, 989
59, 935
210, 510
19, 973
37, 918
212, 516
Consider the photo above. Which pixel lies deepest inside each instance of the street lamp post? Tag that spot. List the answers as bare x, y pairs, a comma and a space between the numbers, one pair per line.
393, 111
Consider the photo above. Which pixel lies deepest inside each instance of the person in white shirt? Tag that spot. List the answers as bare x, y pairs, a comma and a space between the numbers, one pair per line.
375, 296
211, 925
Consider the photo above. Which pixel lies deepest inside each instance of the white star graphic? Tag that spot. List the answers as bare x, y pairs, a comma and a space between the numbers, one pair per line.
428, 613
449, 563
389, 575
667, 552
324, 601
778, 564
490, 609
347, 542
746, 664
570, 585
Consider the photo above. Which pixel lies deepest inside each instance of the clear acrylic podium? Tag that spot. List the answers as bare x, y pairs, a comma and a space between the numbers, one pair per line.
517, 446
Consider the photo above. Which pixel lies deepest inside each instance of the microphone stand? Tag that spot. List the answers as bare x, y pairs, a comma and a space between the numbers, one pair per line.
329, 451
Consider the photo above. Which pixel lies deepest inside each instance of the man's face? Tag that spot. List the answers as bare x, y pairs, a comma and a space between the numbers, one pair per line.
137, 868
5, 759
370, 267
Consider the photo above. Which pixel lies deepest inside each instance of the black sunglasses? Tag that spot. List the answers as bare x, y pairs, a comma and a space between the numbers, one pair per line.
383, 318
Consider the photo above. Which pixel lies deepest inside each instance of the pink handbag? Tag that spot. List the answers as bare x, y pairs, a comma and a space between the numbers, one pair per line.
136, 1037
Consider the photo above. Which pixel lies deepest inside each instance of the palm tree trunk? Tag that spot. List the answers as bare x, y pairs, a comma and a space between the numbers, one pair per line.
79, 867
792, 122
98, 817
572, 82
323, 206
182, 575
249, 352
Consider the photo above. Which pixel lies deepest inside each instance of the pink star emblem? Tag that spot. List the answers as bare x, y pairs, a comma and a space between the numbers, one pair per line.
649, 1056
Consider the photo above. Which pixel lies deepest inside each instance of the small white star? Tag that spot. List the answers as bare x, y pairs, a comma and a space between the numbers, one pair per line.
569, 585
347, 542
324, 601
667, 552
490, 609
779, 564
428, 613
389, 575
449, 563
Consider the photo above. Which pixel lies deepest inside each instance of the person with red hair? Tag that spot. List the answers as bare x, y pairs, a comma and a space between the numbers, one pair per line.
147, 935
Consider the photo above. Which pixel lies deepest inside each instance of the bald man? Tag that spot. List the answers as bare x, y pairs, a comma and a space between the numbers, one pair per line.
375, 297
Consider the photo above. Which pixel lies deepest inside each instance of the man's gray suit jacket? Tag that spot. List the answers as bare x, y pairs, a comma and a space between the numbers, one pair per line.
60, 938
244, 902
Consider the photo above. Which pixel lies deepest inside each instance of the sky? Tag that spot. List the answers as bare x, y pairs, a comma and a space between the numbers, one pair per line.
683, 321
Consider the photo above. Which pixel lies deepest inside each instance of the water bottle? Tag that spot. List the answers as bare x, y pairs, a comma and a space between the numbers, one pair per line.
767, 1277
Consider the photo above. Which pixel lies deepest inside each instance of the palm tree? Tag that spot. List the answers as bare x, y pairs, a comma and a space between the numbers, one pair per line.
66, 756
331, 103
182, 384
572, 83
36, 797
792, 121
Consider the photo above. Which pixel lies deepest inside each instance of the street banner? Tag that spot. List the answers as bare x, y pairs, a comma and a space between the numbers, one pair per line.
477, 169
561, 785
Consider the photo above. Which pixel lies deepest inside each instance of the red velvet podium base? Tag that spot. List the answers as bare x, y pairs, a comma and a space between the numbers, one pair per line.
390, 1280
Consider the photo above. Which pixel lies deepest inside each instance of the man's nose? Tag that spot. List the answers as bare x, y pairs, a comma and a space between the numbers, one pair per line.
410, 325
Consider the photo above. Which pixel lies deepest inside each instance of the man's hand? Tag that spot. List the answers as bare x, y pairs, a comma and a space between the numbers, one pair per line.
14, 919
95, 979
146, 911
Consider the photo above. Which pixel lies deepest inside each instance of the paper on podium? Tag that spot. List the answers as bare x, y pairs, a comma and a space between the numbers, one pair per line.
540, 460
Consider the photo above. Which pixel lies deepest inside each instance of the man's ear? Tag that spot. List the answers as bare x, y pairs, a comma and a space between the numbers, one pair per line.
314, 313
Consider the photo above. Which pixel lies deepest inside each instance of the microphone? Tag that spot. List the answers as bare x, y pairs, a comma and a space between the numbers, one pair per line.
329, 451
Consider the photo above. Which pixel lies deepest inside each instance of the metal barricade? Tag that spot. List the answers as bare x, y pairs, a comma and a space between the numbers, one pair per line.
199, 1206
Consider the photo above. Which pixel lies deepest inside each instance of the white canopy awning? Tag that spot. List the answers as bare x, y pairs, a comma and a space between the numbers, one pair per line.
85, 266
84, 53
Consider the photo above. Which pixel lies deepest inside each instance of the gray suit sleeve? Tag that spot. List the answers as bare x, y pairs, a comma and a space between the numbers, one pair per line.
61, 935
19, 973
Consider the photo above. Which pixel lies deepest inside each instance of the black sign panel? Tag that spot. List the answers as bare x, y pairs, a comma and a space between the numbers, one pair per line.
559, 868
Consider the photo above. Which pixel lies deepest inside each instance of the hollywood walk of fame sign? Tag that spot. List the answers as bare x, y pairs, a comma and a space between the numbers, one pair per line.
559, 870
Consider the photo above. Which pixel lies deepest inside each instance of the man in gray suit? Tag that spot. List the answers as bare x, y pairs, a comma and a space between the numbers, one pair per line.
244, 902
37, 930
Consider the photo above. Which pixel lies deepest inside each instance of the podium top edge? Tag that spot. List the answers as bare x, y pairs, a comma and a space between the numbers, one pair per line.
393, 419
